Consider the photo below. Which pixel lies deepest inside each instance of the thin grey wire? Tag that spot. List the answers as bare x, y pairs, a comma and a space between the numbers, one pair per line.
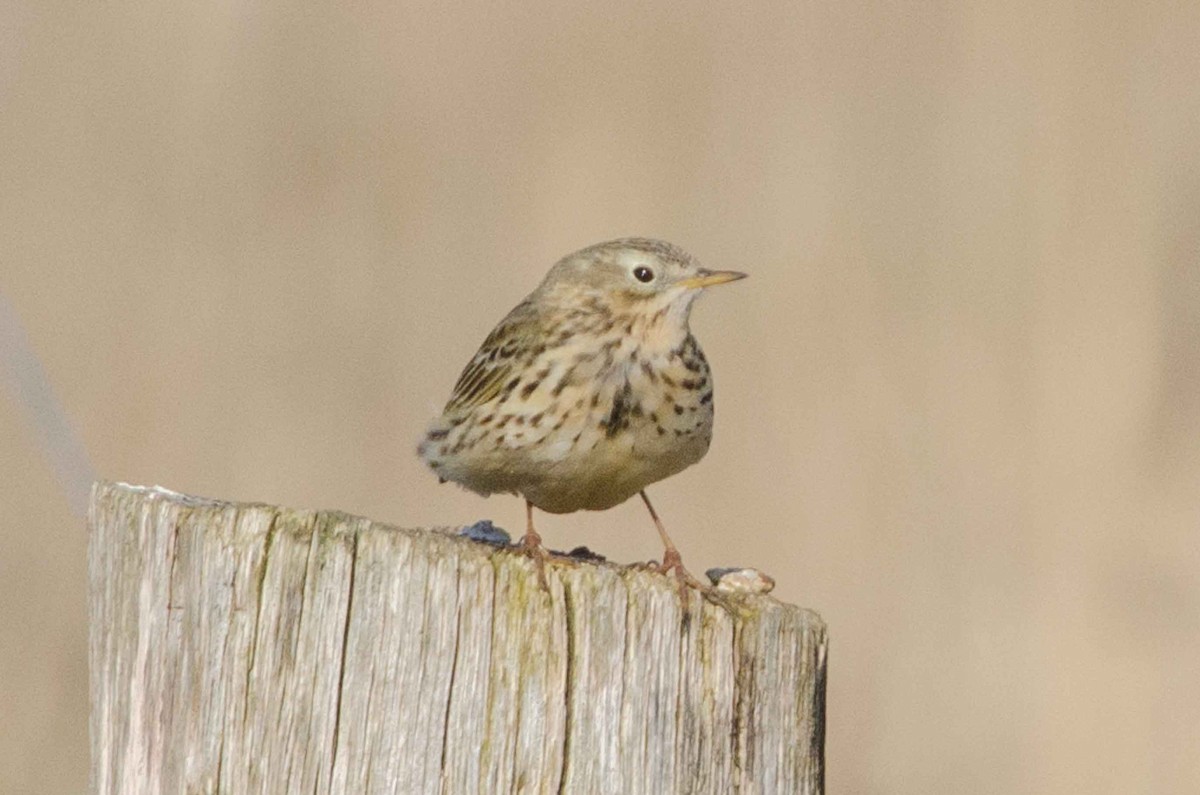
22, 373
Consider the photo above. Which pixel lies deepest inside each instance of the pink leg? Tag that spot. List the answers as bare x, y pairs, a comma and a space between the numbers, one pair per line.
531, 545
671, 559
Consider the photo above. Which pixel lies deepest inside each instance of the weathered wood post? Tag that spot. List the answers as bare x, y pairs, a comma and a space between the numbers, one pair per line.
246, 648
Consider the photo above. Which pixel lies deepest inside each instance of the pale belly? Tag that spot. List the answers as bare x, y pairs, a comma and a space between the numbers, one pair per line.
585, 469
608, 472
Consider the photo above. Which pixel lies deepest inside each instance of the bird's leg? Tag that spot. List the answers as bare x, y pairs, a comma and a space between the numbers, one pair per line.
671, 558
531, 545
531, 539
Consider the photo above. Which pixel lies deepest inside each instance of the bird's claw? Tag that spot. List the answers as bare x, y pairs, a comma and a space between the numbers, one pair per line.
531, 547
672, 562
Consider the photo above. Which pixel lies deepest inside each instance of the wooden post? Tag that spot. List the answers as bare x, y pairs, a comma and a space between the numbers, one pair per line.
243, 648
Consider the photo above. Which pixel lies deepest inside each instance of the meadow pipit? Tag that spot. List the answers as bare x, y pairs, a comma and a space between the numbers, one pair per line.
591, 389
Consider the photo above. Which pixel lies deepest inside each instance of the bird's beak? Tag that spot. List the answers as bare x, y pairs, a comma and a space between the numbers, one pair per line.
707, 278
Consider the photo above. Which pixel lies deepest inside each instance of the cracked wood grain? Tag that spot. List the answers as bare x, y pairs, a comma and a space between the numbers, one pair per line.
249, 648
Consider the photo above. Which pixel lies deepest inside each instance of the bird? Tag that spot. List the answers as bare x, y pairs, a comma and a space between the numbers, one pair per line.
590, 390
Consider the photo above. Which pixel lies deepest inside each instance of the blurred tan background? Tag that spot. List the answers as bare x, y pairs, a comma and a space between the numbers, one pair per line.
251, 244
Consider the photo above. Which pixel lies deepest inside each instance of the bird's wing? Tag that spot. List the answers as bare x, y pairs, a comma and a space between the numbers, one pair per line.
497, 361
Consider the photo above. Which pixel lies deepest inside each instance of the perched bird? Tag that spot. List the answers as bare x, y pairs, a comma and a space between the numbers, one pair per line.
591, 389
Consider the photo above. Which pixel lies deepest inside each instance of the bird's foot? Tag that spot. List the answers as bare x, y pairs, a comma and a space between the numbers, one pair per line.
530, 546
672, 562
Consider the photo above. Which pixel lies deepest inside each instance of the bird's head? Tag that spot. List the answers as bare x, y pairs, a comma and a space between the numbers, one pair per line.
638, 276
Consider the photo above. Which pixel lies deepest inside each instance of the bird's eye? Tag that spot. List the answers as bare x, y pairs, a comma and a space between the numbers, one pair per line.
643, 274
